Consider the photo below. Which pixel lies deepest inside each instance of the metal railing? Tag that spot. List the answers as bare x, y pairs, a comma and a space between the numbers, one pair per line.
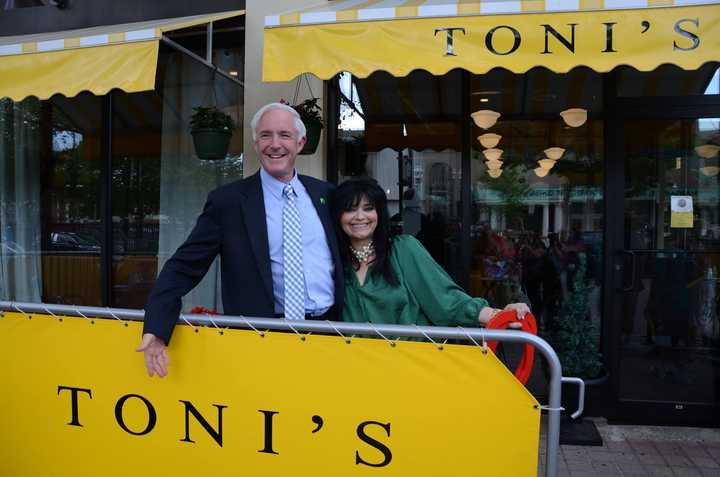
345, 330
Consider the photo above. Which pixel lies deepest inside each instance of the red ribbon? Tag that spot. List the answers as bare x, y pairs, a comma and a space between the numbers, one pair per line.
501, 321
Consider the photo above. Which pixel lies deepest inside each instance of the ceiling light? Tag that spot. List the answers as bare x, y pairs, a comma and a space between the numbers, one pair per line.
707, 150
233, 73
574, 117
495, 173
710, 171
492, 154
546, 163
494, 165
554, 153
489, 140
485, 118
540, 172
484, 100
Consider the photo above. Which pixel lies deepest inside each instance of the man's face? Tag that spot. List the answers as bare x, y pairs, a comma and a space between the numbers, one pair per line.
277, 143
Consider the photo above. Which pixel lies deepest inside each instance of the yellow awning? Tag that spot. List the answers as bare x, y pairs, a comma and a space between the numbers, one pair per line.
399, 36
92, 59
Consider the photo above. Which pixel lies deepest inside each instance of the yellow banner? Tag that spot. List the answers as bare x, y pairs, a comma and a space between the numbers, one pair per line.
601, 40
76, 401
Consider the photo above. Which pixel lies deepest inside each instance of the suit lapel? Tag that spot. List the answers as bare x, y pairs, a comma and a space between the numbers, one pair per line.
253, 208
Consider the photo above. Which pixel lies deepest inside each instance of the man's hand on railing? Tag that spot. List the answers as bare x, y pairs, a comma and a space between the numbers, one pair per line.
156, 356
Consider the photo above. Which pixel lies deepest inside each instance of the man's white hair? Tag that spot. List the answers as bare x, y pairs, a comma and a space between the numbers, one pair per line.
299, 125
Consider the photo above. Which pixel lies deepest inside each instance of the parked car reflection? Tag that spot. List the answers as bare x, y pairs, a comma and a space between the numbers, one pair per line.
73, 242
8, 247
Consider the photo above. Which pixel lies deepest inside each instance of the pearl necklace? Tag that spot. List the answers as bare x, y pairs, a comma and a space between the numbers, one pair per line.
364, 253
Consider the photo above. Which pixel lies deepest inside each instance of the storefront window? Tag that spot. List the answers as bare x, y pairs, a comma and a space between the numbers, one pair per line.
73, 219
51, 222
537, 201
532, 228
20, 199
159, 184
54, 240
672, 247
137, 140
535, 235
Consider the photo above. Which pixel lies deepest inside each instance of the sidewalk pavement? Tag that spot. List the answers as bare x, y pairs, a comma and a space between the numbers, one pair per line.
629, 450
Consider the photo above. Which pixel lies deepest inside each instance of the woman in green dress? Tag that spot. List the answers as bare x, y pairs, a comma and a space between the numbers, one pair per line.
394, 279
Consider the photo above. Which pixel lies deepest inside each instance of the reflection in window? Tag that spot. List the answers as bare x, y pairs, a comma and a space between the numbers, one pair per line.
50, 223
12, 4
537, 222
670, 315
713, 86
72, 218
404, 132
351, 112
534, 236
20, 267
530, 233
53, 219
159, 184
682, 160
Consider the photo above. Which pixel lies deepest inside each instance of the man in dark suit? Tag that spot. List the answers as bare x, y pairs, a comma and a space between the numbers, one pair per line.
279, 254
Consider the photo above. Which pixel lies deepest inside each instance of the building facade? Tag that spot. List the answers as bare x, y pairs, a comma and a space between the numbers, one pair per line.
589, 190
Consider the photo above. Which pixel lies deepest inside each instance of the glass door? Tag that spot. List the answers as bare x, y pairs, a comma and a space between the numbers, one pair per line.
665, 272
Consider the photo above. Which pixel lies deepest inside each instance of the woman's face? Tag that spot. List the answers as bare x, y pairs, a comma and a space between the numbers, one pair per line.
359, 222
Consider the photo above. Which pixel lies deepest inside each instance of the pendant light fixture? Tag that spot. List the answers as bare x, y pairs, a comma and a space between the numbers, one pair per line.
485, 118
489, 140
494, 165
710, 171
574, 117
540, 172
495, 173
492, 154
706, 151
554, 153
546, 163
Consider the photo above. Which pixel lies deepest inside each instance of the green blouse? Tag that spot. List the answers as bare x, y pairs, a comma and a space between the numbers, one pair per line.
426, 295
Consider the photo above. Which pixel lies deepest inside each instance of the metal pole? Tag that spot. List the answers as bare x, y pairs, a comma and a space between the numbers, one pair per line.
440, 332
106, 199
200, 59
209, 42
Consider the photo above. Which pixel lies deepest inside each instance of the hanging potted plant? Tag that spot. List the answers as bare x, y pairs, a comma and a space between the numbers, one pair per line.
309, 111
211, 130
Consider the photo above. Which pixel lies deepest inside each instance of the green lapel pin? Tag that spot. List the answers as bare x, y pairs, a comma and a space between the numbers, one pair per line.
322, 200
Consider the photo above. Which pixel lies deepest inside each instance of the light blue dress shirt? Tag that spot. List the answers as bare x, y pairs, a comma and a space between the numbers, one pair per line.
317, 260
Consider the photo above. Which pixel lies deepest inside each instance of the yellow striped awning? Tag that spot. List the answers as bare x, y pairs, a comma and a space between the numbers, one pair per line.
399, 36
92, 59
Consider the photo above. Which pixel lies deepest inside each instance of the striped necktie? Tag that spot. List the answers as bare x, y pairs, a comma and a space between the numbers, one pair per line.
294, 277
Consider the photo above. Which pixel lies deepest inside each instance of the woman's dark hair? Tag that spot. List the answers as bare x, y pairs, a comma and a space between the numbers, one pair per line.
346, 197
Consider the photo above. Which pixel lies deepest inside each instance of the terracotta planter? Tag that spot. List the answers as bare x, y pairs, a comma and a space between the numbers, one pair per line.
211, 144
314, 131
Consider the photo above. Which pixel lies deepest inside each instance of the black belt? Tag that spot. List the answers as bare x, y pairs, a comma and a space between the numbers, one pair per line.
328, 315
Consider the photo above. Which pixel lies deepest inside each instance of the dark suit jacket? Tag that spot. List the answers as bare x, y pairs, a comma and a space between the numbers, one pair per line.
233, 225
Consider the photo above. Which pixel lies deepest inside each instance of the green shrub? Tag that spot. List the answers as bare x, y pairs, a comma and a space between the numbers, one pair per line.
576, 339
